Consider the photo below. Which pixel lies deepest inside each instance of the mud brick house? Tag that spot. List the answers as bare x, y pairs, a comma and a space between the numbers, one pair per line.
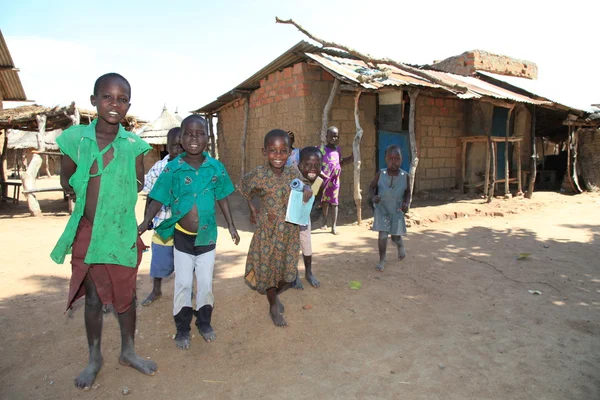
449, 108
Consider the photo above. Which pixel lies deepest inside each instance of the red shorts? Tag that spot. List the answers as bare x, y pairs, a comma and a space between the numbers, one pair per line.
115, 284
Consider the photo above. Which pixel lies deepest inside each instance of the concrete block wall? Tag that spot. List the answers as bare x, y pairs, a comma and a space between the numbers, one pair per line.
440, 122
471, 61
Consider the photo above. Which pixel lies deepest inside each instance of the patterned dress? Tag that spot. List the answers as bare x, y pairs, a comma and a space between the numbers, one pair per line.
274, 250
388, 212
332, 168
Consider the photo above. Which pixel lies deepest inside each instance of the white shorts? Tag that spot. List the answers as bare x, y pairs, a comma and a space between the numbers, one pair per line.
305, 242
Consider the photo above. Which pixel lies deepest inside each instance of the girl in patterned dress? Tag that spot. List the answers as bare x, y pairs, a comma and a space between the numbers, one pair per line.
391, 195
272, 261
332, 168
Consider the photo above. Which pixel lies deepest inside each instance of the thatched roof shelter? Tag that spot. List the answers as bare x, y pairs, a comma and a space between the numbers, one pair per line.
156, 132
19, 140
24, 118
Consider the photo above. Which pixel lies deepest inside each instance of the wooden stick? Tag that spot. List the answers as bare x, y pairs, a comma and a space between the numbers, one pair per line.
357, 160
487, 168
212, 136
325, 118
414, 162
519, 183
245, 135
28, 179
493, 178
506, 163
464, 167
533, 172
575, 178
373, 62
569, 161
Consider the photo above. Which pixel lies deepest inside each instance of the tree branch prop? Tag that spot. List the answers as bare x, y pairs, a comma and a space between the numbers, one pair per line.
373, 62
325, 118
357, 160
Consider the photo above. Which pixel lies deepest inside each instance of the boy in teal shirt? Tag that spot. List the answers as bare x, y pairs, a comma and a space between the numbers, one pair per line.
189, 185
102, 165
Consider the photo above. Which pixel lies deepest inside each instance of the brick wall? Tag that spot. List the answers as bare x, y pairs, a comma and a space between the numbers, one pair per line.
471, 61
439, 124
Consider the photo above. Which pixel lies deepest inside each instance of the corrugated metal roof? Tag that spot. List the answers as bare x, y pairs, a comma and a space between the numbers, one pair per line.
10, 83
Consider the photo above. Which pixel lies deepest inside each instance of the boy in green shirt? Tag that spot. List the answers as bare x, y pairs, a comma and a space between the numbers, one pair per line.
102, 165
189, 185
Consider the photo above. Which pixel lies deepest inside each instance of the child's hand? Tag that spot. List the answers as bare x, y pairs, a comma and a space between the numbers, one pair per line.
253, 217
143, 227
376, 199
308, 193
234, 235
405, 207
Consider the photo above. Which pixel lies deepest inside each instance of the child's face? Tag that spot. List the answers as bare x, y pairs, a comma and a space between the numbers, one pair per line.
194, 137
332, 137
310, 167
277, 152
393, 159
174, 146
112, 100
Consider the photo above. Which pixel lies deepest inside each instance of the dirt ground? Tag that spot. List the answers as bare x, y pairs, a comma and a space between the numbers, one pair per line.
454, 320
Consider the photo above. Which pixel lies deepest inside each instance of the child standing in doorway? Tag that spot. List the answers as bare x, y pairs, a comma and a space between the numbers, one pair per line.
272, 262
332, 168
161, 265
391, 196
190, 184
102, 165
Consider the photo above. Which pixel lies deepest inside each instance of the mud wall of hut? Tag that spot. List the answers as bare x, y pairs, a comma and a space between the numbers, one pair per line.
589, 158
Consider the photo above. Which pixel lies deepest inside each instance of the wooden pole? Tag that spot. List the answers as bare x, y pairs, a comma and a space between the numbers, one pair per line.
245, 135
519, 185
325, 118
575, 178
3, 163
211, 132
533, 172
493, 166
414, 162
357, 159
506, 163
464, 167
487, 167
569, 176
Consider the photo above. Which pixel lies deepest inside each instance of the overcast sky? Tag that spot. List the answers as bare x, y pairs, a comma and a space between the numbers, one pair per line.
186, 53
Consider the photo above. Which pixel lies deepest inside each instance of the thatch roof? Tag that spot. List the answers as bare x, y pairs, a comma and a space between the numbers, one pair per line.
24, 117
28, 140
156, 132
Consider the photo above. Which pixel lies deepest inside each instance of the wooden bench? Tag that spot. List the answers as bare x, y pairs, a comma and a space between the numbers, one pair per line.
16, 191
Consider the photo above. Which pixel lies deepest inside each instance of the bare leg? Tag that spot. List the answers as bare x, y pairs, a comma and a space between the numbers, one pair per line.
400, 244
155, 293
298, 282
274, 308
128, 356
308, 272
382, 243
325, 208
93, 328
335, 217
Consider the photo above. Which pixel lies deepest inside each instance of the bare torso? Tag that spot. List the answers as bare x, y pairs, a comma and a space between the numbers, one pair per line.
93, 189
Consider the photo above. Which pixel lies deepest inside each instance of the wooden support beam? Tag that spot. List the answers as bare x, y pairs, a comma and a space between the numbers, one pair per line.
519, 178
463, 180
506, 163
533, 173
326, 109
493, 177
357, 160
245, 135
413, 94
486, 187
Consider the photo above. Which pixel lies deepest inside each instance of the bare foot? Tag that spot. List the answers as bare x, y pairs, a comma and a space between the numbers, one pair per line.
277, 317
401, 253
298, 284
381, 266
324, 227
182, 341
151, 298
86, 378
280, 305
132, 360
312, 280
334, 231
209, 335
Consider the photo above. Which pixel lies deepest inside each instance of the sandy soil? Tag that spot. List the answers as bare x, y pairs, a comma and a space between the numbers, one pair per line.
454, 320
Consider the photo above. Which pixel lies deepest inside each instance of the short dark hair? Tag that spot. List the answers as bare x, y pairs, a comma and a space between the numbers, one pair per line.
194, 117
110, 75
276, 133
309, 151
174, 132
393, 147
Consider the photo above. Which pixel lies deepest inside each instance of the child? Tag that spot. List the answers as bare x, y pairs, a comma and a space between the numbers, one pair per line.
391, 195
272, 261
293, 159
310, 167
332, 167
102, 165
161, 265
189, 185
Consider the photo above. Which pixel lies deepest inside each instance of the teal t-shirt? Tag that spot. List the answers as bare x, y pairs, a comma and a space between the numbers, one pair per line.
180, 186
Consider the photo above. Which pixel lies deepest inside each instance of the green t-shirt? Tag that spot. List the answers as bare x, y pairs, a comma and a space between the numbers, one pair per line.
180, 186
114, 233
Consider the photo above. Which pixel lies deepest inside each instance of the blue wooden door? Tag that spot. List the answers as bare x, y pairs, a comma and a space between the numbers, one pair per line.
499, 129
401, 139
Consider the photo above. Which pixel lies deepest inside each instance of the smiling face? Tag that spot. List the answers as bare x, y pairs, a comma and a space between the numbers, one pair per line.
112, 100
194, 136
277, 152
393, 159
310, 166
